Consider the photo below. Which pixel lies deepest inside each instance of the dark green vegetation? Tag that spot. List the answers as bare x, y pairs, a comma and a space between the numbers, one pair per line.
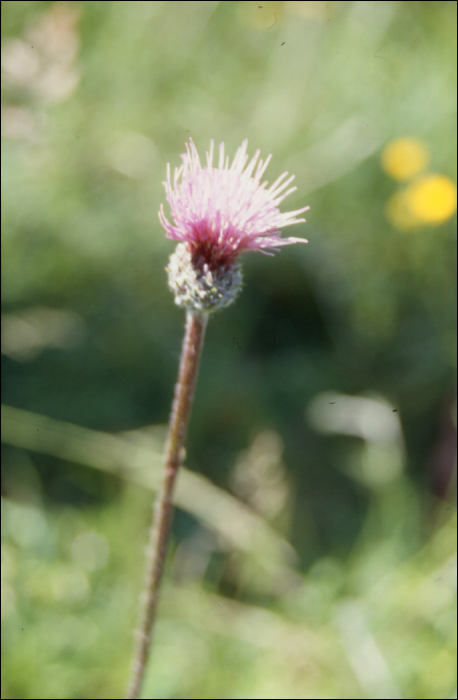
326, 394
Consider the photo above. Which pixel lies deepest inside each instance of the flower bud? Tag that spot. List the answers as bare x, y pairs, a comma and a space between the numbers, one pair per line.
199, 286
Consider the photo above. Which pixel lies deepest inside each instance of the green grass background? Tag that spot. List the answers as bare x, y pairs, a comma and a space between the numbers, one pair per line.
340, 580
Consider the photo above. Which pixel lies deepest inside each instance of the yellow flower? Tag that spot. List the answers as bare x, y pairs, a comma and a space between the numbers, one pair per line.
431, 199
398, 214
404, 158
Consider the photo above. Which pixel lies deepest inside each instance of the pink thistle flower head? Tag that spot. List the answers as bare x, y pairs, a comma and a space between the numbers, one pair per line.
226, 210
218, 213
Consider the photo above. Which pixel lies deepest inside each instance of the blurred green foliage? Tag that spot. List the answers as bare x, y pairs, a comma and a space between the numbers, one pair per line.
97, 97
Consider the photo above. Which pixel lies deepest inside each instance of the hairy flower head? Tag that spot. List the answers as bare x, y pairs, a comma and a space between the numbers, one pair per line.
218, 213
226, 210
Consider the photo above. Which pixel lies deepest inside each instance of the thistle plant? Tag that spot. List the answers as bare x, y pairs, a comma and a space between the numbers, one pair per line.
218, 213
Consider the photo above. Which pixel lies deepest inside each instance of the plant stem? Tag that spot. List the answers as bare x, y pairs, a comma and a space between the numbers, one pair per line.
160, 530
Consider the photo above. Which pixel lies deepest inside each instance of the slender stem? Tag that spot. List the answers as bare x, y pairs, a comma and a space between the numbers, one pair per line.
160, 530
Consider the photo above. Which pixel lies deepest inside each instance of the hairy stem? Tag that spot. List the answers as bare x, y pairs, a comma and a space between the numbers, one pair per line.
160, 530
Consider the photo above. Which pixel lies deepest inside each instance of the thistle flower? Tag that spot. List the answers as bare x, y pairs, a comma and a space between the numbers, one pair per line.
220, 212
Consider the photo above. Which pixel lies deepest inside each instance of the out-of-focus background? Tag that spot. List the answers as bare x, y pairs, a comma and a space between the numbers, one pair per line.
313, 550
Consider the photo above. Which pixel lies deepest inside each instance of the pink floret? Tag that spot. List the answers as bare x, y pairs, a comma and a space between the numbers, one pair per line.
226, 210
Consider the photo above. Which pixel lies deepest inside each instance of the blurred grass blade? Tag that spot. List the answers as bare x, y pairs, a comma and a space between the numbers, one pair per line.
137, 457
